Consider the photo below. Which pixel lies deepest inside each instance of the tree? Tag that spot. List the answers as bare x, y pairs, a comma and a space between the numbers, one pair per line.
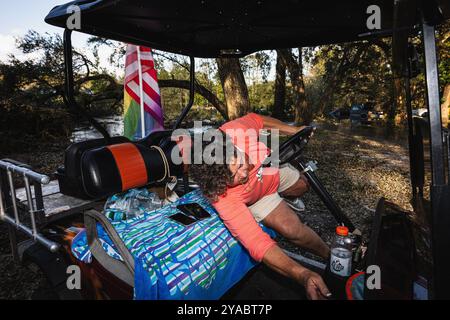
234, 87
362, 72
335, 64
295, 67
443, 45
278, 110
256, 68
39, 82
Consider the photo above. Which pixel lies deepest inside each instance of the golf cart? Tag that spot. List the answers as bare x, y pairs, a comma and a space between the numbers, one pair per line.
410, 248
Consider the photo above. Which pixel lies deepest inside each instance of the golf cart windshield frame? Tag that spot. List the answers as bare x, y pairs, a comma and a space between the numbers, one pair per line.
440, 190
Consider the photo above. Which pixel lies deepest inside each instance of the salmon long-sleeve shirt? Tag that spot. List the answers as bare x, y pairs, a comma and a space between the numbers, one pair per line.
232, 206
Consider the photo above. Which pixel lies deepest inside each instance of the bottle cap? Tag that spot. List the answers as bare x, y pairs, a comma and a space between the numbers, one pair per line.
342, 231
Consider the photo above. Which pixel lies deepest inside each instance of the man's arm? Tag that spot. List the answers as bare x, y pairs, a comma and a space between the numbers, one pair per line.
240, 222
272, 123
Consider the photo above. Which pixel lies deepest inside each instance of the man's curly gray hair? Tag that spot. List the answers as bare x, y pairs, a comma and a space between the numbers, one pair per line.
213, 173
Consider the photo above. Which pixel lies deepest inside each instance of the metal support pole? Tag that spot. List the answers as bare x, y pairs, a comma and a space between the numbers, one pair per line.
434, 106
440, 225
305, 260
191, 94
11, 231
326, 198
12, 191
50, 245
14, 168
9, 197
447, 137
141, 92
31, 207
411, 131
39, 202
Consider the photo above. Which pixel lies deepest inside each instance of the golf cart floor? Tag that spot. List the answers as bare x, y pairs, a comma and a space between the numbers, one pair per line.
262, 283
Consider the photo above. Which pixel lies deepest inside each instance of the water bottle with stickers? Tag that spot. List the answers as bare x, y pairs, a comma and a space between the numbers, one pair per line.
341, 253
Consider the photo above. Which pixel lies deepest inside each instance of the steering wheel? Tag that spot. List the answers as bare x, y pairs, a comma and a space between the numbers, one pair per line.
293, 147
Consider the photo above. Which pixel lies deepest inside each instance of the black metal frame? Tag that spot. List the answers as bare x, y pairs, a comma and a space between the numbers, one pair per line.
326, 198
11, 210
191, 94
437, 213
440, 191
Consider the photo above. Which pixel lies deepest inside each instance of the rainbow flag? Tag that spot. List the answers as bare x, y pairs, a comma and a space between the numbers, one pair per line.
141, 116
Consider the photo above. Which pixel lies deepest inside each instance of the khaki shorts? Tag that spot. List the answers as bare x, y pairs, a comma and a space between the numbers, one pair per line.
261, 208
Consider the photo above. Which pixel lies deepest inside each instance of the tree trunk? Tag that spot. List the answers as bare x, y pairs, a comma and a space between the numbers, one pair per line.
234, 87
278, 110
302, 112
399, 63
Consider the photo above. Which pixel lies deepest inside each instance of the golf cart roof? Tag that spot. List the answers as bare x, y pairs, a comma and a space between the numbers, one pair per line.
204, 28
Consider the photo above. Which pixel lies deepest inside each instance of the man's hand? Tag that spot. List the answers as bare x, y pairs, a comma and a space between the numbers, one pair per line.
276, 259
315, 288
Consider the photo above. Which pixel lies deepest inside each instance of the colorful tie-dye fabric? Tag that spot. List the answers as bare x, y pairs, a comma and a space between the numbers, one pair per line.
172, 261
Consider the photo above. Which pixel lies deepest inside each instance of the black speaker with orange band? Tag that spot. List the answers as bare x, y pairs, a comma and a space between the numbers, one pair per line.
116, 168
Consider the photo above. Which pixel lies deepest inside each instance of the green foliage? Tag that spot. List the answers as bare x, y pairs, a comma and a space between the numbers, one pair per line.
443, 48
261, 96
39, 81
335, 76
34, 82
361, 72
174, 99
418, 88
257, 66
352, 73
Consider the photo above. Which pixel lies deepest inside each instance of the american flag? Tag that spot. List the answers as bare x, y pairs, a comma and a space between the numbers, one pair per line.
141, 116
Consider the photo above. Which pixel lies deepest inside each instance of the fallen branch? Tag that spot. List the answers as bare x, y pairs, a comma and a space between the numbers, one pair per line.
201, 90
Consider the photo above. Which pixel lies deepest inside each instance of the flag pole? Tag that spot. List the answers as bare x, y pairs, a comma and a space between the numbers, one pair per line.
141, 92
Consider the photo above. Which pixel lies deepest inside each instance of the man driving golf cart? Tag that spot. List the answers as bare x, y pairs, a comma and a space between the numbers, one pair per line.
244, 193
